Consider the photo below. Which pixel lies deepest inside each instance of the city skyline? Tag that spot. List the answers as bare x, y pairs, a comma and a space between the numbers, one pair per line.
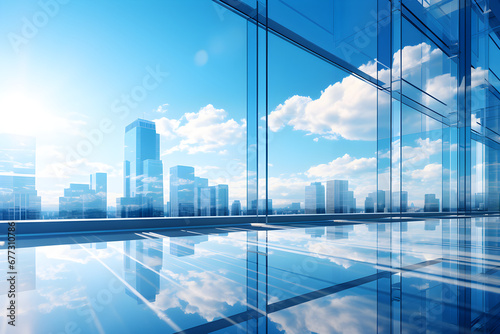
192, 194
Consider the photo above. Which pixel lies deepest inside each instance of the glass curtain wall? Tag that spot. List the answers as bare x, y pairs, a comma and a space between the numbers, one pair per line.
378, 106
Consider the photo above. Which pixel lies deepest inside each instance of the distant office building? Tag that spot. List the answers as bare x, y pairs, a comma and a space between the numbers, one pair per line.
81, 201
143, 172
222, 193
99, 184
236, 208
85, 200
400, 201
18, 196
261, 208
379, 199
431, 203
295, 206
208, 201
315, 198
338, 197
199, 183
369, 205
478, 202
167, 209
182, 190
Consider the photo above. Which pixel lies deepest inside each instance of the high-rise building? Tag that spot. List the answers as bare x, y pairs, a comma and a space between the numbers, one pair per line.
315, 198
182, 191
478, 201
208, 201
338, 197
431, 203
199, 183
369, 205
379, 199
143, 172
236, 208
18, 196
99, 184
400, 201
85, 200
222, 191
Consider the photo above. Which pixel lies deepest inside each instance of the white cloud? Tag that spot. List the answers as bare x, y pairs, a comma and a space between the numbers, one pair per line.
430, 172
162, 108
345, 109
413, 57
59, 297
207, 130
329, 315
348, 108
80, 167
208, 294
343, 167
51, 273
412, 155
167, 127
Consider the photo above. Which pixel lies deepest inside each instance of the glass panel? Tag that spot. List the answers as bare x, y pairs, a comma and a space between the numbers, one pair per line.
429, 75
159, 115
440, 16
346, 29
322, 135
422, 161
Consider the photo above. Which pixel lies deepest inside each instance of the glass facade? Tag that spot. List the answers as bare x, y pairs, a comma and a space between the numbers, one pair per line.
273, 106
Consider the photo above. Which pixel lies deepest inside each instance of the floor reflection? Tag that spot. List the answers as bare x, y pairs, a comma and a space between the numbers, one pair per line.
431, 276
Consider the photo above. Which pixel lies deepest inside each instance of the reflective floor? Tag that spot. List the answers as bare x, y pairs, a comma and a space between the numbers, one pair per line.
428, 276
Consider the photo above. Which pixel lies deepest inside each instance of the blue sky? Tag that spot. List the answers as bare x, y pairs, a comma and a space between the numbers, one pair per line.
91, 63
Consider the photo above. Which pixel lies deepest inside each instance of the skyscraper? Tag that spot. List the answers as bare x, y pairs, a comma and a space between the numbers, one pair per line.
315, 198
338, 197
222, 200
182, 190
143, 172
208, 201
18, 197
369, 205
99, 184
431, 203
400, 201
199, 183
236, 208
379, 200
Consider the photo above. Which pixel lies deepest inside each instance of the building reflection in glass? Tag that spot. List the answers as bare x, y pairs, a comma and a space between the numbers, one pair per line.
185, 246
18, 195
338, 232
143, 260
